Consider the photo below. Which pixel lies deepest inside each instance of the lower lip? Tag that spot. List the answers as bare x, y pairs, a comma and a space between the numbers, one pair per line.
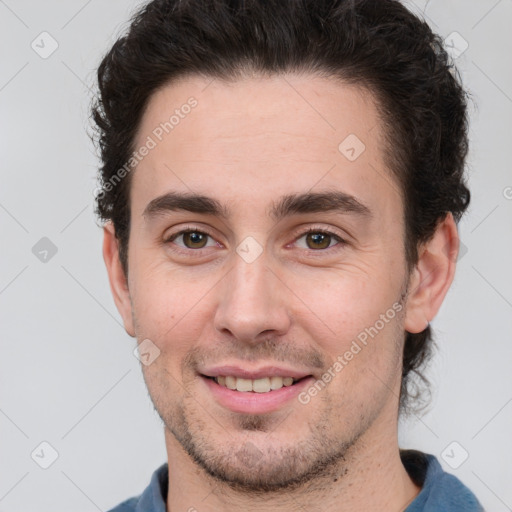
250, 402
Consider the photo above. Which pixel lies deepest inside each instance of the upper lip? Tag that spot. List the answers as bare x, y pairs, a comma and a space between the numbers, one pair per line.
244, 373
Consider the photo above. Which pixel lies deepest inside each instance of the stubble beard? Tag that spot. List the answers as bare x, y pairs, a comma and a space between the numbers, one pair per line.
250, 467
245, 464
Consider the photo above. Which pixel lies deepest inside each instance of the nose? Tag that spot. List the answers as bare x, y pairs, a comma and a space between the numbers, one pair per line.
251, 304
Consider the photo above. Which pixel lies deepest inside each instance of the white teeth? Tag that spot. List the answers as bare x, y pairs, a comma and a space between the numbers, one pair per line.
276, 382
243, 384
263, 385
230, 382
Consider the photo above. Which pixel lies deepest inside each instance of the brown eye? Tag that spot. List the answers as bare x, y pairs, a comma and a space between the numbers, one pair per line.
318, 240
194, 239
191, 239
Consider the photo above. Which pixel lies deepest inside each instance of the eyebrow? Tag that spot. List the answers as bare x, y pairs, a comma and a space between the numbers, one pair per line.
287, 205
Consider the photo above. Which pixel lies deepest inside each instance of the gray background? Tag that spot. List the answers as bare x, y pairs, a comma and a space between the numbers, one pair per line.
67, 369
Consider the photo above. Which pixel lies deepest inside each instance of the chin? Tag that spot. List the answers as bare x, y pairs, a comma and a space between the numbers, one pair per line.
250, 469
254, 457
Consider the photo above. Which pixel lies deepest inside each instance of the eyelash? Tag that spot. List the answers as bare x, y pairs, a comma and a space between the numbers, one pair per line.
195, 229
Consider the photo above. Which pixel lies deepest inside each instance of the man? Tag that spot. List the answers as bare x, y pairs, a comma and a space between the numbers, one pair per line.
280, 186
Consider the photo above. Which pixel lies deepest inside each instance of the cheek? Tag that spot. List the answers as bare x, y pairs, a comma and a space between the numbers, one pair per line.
357, 324
170, 307
343, 302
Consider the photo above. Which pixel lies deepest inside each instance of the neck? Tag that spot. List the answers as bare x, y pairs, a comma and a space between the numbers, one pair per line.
371, 477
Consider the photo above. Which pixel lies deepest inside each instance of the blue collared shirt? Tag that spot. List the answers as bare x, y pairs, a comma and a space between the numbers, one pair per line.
440, 491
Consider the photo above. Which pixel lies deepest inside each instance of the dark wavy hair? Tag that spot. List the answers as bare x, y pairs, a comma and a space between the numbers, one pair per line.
375, 44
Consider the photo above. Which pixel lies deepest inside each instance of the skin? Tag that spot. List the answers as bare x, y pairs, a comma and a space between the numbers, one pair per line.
246, 144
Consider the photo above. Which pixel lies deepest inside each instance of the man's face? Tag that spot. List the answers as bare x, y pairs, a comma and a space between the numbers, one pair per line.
252, 294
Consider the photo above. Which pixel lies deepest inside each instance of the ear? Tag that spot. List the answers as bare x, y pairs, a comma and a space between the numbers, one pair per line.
432, 275
117, 277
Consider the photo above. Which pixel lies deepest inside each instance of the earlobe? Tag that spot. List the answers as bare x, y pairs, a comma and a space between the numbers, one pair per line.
117, 277
432, 275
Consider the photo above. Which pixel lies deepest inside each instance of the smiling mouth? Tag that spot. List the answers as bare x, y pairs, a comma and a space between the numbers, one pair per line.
263, 385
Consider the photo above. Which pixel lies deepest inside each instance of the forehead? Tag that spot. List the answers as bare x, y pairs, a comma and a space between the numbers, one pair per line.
249, 139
